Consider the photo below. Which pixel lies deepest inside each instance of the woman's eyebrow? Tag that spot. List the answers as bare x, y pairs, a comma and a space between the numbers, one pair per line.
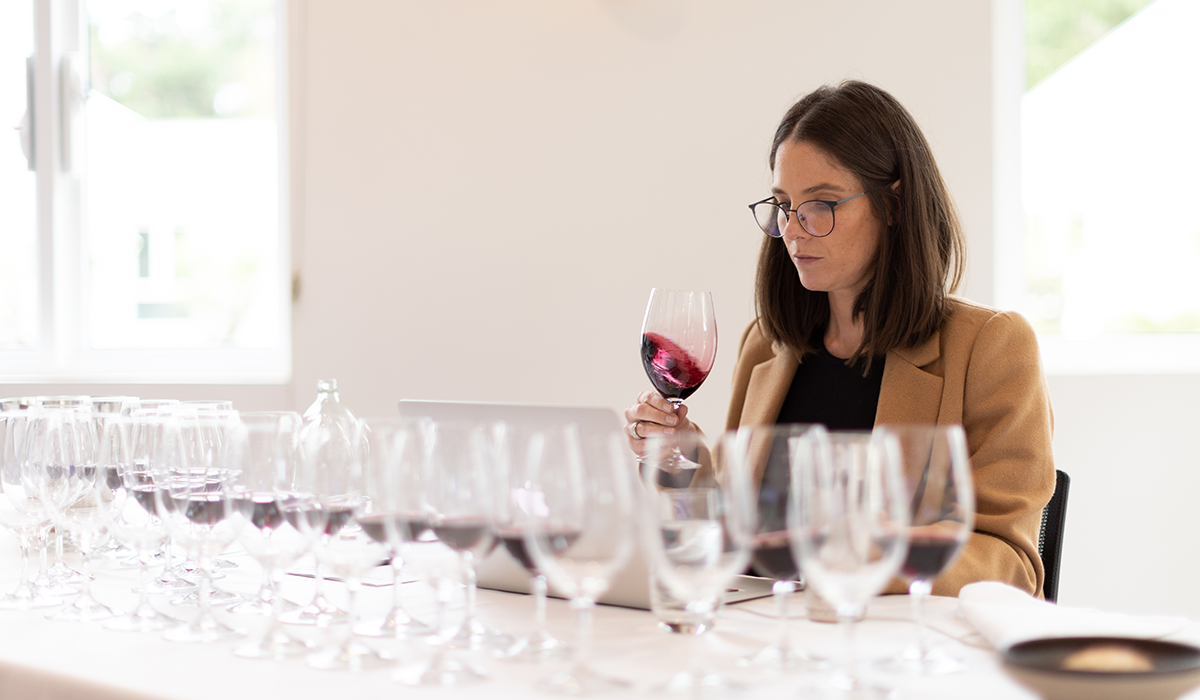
814, 188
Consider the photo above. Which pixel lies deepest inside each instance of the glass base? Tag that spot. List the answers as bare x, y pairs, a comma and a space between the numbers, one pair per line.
911, 662
476, 636
277, 646
206, 628
144, 619
261, 607
350, 655
581, 680
28, 597
84, 610
784, 658
397, 624
319, 612
700, 684
216, 596
440, 670
841, 687
538, 647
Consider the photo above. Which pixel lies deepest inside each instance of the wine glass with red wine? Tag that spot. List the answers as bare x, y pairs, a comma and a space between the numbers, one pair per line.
765, 452
519, 505
937, 475
679, 344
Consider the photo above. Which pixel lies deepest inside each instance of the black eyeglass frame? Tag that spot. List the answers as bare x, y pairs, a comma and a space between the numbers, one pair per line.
787, 214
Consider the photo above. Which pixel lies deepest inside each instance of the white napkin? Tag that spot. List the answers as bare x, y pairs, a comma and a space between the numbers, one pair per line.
1005, 615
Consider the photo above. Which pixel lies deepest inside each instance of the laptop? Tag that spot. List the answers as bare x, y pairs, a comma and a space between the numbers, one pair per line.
630, 587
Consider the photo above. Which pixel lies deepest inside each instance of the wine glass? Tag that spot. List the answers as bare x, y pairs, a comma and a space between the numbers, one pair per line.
133, 519
679, 343
764, 453
57, 578
415, 495
699, 532
260, 493
941, 498
334, 465
61, 469
462, 471
198, 457
517, 510
21, 511
104, 407
848, 519
153, 421
395, 514
583, 533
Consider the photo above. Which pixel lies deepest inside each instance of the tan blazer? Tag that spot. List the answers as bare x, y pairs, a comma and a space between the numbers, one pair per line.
982, 370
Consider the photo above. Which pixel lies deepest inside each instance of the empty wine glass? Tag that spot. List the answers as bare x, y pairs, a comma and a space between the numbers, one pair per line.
338, 481
518, 505
21, 511
765, 455
583, 533
849, 524
57, 578
133, 519
395, 514
941, 499
105, 407
198, 458
679, 342
261, 489
699, 533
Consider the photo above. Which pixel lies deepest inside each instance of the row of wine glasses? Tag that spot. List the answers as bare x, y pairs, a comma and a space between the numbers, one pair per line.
850, 509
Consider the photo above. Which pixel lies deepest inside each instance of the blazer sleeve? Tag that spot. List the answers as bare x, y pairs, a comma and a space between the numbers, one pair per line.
1009, 424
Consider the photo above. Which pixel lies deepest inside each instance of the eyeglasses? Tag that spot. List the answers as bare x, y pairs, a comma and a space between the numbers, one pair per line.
815, 215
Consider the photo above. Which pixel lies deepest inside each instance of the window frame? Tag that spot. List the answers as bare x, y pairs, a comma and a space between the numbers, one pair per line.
61, 39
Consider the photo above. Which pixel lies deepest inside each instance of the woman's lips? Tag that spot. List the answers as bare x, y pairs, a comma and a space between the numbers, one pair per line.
804, 259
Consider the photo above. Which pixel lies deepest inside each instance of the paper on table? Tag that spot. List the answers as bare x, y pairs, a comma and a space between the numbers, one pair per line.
378, 577
1005, 615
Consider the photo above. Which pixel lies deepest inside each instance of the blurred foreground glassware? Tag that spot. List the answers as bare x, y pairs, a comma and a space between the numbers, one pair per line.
262, 490
583, 535
699, 533
941, 498
848, 519
765, 454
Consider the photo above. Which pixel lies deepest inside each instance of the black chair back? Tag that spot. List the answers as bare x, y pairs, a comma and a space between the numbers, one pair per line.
1050, 538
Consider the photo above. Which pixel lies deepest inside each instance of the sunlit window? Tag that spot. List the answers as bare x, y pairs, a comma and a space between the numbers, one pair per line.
167, 254
1109, 146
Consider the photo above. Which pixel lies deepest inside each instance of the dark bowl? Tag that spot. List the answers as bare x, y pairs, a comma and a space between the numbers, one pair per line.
1037, 664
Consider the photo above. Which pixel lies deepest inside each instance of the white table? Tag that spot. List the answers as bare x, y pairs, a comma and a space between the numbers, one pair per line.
52, 660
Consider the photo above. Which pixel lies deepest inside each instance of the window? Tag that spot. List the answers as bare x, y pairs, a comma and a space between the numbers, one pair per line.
1112, 243
159, 251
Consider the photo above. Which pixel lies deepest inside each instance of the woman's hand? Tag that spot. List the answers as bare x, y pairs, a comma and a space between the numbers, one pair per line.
653, 415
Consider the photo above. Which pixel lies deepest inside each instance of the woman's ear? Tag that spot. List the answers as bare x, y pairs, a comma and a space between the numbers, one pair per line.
895, 188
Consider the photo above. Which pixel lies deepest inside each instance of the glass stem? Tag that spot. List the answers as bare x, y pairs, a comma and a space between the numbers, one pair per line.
917, 592
782, 591
23, 540
205, 591
397, 566
540, 589
85, 561
353, 585
469, 575
144, 575
847, 615
584, 607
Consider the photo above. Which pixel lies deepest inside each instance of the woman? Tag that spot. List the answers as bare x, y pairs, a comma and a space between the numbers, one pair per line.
856, 326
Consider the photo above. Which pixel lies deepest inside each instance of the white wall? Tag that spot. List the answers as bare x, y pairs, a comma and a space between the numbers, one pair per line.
486, 191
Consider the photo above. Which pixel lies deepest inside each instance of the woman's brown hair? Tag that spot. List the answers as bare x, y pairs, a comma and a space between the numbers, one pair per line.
921, 253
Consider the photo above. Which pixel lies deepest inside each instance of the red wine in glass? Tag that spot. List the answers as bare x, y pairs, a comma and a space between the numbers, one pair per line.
672, 370
773, 556
679, 342
928, 555
514, 541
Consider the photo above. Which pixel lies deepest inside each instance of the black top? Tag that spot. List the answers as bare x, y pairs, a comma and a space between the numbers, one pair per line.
828, 391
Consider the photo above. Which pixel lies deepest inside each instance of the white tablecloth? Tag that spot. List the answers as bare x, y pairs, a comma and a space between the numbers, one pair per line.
51, 660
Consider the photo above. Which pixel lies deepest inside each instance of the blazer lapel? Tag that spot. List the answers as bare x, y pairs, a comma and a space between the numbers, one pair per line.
909, 394
768, 387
